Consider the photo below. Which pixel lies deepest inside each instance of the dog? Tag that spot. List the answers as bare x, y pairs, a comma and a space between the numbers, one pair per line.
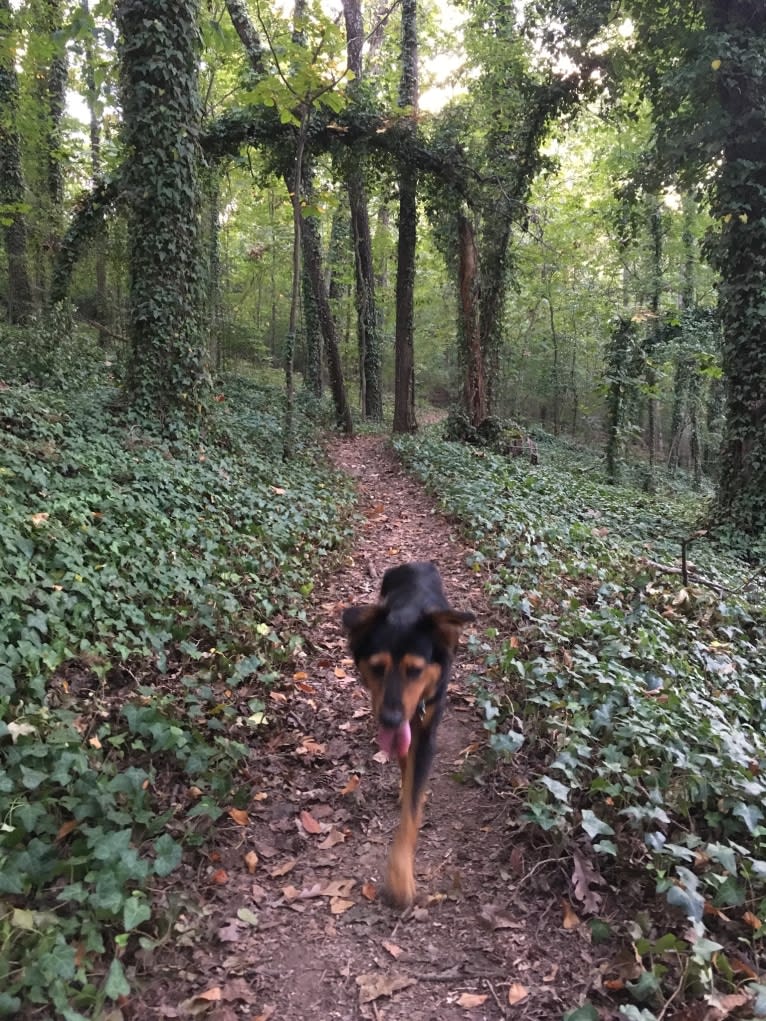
403, 647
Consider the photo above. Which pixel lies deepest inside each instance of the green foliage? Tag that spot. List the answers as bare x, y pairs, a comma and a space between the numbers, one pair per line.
49, 353
138, 586
641, 696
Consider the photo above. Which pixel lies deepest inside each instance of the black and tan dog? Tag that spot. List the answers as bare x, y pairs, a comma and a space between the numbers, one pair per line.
403, 646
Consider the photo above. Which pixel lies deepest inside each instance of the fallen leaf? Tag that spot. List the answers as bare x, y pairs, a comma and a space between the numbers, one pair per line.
468, 1001
219, 877
258, 893
260, 796
373, 986
393, 949
266, 1014
251, 861
369, 891
335, 836
65, 829
39, 519
352, 784
740, 967
339, 888
290, 893
338, 905
229, 933
311, 748
309, 823
239, 816
284, 868
752, 920
571, 921
94, 742
201, 1002
248, 917
517, 993
300, 675
492, 916
339, 673
585, 876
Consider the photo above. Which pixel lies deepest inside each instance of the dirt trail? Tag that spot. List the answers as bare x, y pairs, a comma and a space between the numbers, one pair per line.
302, 933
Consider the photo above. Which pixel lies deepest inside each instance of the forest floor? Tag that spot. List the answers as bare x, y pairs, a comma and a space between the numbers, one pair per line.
283, 919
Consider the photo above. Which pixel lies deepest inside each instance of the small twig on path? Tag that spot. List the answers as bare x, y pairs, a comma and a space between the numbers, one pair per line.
674, 994
695, 579
535, 868
500, 1007
456, 971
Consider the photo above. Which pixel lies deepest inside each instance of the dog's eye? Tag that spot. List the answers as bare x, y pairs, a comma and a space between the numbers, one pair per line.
377, 669
413, 672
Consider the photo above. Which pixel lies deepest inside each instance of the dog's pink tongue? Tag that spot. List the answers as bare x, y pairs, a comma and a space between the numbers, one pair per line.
395, 741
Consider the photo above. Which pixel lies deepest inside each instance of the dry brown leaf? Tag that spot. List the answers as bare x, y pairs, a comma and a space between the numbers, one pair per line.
752, 920
251, 861
310, 747
300, 675
585, 876
339, 673
369, 891
374, 985
238, 816
469, 1001
393, 949
229, 933
201, 1002
740, 967
517, 993
351, 786
335, 836
338, 905
339, 888
309, 823
65, 829
219, 877
290, 893
283, 868
492, 916
94, 742
266, 1014
39, 519
571, 920
260, 796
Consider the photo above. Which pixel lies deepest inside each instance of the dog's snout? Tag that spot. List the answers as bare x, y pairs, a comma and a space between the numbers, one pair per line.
391, 716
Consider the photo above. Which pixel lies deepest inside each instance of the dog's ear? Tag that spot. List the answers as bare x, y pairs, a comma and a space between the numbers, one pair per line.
357, 617
448, 624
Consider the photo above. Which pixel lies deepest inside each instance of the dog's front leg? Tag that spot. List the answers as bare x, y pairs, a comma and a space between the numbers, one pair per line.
400, 875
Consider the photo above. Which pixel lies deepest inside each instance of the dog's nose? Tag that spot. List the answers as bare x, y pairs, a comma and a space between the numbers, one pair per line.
391, 716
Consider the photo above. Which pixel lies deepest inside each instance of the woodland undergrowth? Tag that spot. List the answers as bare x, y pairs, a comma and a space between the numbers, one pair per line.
638, 698
148, 594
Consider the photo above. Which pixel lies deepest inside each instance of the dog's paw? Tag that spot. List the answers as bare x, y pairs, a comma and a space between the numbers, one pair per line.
399, 887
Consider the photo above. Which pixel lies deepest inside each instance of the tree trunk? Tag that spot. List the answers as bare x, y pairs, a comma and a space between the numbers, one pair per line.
741, 260
404, 356
371, 392
166, 376
313, 261
475, 395
102, 300
20, 305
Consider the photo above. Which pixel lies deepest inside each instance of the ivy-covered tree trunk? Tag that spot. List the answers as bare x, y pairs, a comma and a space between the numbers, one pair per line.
312, 257
161, 113
739, 204
404, 356
370, 360
102, 300
312, 372
20, 306
474, 388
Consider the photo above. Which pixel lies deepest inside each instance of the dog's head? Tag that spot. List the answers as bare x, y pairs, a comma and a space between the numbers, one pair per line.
403, 659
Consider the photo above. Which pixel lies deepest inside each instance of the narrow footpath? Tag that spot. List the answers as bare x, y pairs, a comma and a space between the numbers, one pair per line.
284, 920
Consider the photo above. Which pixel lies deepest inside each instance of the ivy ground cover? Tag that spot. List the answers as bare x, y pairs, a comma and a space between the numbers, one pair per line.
147, 595
640, 700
